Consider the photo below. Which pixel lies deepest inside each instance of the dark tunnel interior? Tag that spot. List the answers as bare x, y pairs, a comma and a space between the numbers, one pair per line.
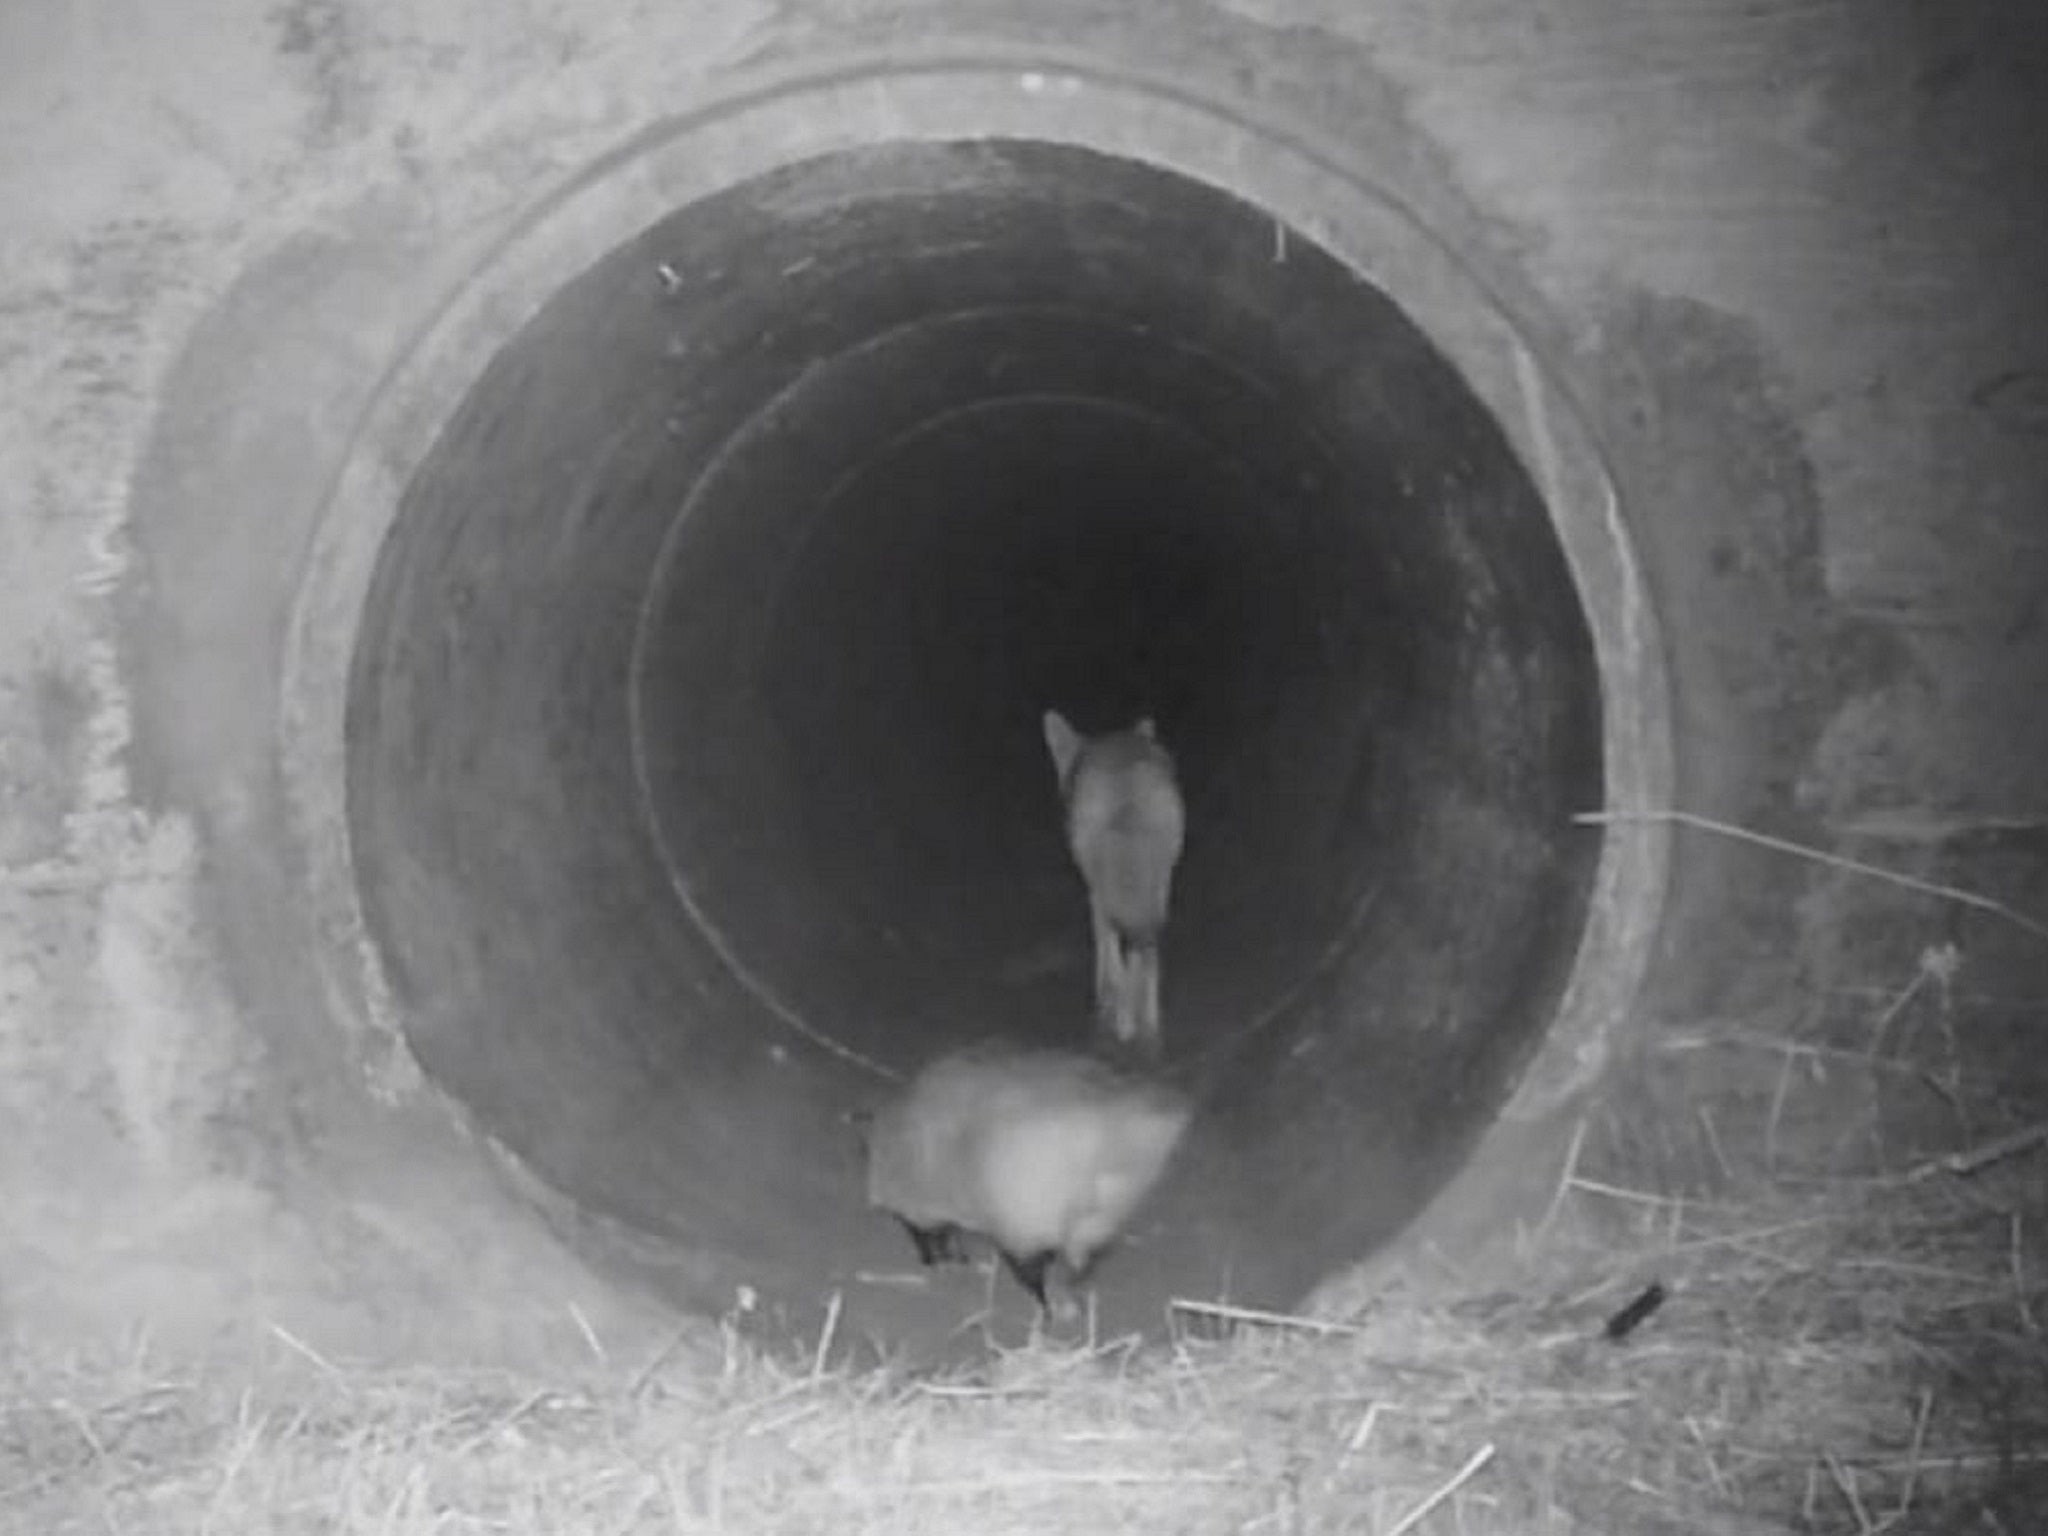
694, 769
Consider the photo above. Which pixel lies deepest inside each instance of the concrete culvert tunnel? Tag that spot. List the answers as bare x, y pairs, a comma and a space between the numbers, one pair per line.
694, 778
542, 542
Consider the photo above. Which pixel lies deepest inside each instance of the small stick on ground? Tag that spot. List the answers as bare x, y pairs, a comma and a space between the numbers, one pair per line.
292, 1341
1913, 1456
1976, 1159
1617, 1192
249, 1433
1905, 995
1987, 1458
1227, 1313
1564, 1182
2028, 1324
589, 1334
825, 1335
1706, 1116
1363, 1433
1050, 1477
83, 1424
502, 1422
1845, 1480
1778, 1095
1714, 1475
1458, 1479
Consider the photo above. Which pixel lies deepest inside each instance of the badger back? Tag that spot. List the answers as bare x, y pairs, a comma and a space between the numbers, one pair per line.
1065, 1168
1139, 1133
1148, 1123
925, 1146
1036, 1148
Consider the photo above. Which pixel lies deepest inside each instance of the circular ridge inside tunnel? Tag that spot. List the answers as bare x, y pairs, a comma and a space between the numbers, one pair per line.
694, 767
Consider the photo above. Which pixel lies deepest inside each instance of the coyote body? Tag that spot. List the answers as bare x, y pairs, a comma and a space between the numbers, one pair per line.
1046, 1152
1125, 828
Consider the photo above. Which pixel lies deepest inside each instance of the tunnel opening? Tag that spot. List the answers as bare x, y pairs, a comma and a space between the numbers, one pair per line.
693, 771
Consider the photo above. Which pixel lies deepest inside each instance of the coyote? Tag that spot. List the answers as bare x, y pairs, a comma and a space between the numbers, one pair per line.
1125, 826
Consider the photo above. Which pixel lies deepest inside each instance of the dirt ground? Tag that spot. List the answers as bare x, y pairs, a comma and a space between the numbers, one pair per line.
1796, 1287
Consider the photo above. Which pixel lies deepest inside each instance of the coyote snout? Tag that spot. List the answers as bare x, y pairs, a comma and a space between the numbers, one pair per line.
1125, 825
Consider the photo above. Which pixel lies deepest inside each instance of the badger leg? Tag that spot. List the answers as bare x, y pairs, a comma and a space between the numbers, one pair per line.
1030, 1273
939, 1244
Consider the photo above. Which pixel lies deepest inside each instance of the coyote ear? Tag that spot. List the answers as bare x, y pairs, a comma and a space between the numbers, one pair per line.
1146, 728
1062, 741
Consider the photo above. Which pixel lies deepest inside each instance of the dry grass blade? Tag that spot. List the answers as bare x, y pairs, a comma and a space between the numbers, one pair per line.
1845, 1482
1457, 1480
1864, 1346
1225, 1312
826, 1334
1565, 1180
1905, 1505
1957, 894
1997, 1150
302, 1349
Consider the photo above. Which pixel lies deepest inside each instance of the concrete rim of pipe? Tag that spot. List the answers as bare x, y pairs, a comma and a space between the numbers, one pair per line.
1305, 187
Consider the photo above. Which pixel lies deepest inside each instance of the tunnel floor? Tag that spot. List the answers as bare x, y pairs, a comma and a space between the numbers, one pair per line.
694, 777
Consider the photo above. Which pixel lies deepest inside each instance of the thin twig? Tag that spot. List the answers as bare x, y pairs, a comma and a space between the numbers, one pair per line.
1051, 1477
1905, 995
1953, 893
1962, 1459
1982, 1156
1458, 1479
1747, 1238
1617, 1192
1363, 1433
504, 1421
1229, 1313
1699, 1436
248, 1436
825, 1334
1846, 1482
1778, 1094
1706, 1116
1564, 1181
1752, 1040
589, 1333
292, 1341
2019, 1280
1913, 1456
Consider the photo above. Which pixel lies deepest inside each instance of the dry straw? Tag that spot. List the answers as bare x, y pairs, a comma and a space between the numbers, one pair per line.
1861, 1355
1790, 1279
